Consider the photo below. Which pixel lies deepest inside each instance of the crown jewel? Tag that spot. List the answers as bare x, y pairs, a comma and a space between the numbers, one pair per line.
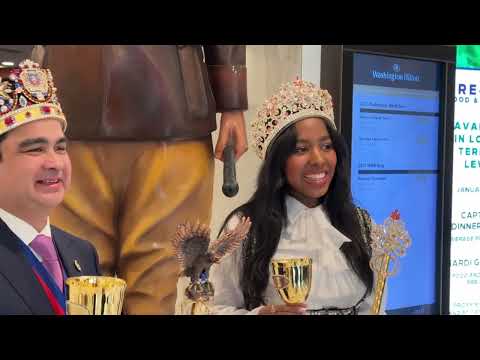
27, 93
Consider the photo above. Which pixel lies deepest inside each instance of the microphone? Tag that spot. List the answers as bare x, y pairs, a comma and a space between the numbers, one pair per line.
230, 185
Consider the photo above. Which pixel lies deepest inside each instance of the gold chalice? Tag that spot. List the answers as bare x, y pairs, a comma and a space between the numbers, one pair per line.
95, 295
292, 278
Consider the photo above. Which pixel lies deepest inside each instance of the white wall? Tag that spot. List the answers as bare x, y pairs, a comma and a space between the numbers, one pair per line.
311, 61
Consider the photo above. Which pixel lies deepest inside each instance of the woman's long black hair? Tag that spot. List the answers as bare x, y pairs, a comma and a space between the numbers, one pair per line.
267, 211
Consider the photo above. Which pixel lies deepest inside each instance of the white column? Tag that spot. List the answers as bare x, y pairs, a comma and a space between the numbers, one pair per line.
311, 61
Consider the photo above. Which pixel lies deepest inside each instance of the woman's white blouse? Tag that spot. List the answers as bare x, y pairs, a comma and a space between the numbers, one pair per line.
308, 233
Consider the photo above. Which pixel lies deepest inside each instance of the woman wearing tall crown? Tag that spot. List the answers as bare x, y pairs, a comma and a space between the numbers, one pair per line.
302, 207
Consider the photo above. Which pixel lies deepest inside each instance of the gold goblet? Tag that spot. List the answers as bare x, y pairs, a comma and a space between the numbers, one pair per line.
95, 295
292, 278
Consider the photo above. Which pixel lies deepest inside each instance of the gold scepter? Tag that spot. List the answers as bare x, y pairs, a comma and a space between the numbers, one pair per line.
389, 242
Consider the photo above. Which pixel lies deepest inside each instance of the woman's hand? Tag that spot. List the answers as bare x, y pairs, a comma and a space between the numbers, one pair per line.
298, 309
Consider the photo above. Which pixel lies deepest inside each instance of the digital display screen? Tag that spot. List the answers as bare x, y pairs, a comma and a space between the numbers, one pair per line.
395, 131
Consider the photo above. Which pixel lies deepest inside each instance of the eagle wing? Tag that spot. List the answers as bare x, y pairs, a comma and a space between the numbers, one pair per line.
229, 240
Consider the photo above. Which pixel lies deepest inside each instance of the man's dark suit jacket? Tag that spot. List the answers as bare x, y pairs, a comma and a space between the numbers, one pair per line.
20, 292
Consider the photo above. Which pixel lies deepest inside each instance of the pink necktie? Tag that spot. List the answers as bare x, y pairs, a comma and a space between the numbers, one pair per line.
43, 246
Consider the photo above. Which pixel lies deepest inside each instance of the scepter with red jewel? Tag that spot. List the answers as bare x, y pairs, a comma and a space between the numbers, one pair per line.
389, 243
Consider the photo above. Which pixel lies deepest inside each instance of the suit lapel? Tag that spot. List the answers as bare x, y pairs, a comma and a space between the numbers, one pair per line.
15, 267
70, 260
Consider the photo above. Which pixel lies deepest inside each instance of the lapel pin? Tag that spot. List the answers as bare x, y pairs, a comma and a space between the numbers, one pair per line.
77, 265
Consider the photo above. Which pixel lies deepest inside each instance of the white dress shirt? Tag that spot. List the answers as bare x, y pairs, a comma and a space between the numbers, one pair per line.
24, 230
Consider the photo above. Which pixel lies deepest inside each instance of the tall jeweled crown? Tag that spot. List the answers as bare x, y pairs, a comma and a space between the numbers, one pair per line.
27, 93
294, 101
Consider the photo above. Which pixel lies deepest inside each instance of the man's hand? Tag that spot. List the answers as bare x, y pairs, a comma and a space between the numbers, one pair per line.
232, 123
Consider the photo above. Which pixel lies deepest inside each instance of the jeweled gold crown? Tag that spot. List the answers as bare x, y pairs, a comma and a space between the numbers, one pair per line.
27, 94
294, 101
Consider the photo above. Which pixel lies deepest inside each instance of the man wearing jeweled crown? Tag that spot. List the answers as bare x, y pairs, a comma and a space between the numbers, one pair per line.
35, 173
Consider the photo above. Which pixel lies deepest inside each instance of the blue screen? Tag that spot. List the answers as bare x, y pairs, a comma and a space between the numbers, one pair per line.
395, 129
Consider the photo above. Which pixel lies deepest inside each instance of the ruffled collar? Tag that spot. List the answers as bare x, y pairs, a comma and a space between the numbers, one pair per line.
305, 221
